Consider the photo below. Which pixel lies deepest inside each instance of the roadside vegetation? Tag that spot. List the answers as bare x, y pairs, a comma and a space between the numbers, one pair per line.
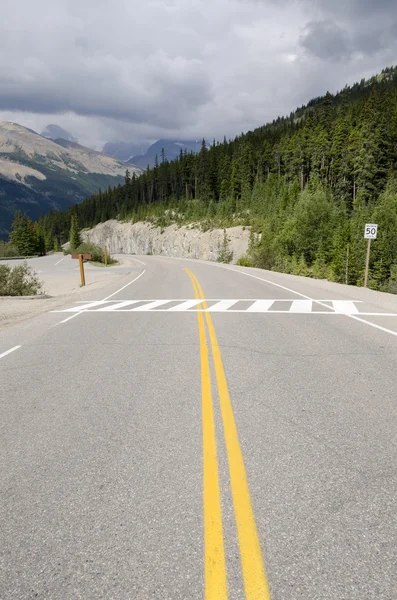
306, 184
77, 246
7, 249
26, 239
20, 280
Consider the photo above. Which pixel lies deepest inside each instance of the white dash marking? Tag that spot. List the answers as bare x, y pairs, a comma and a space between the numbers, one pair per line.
344, 307
222, 305
301, 306
57, 263
117, 305
260, 306
186, 305
9, 351
151, 305
88, 305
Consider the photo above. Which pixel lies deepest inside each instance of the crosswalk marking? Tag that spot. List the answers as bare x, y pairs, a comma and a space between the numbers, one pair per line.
271, 306
301, 306
186, 305
151, 305
345, 307
85, 306
117, 306
222, 305
260, 306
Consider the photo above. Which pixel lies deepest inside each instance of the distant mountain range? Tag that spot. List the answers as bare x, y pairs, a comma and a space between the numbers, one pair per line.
123, 150
52, 171
55, 132
38, 174
129, 152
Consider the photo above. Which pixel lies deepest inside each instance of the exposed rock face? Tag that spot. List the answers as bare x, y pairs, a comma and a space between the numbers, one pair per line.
182, 242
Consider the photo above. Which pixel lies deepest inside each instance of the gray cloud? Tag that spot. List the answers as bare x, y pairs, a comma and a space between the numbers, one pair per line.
326, 40
134, 70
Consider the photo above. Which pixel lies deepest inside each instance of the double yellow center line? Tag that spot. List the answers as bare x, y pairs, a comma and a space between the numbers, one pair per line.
255, 583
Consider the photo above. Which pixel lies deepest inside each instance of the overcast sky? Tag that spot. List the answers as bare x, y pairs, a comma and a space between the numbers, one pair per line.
141, 70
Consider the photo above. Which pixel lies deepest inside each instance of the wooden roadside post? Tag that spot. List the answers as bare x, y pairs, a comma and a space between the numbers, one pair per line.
82, 258
82, 275
105, 255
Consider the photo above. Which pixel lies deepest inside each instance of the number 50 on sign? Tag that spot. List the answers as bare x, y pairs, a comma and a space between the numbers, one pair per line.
370, 231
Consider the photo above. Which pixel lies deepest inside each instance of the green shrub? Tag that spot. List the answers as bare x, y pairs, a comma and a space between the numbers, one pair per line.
19, 281
7, 249
96, 252
244, 261
392, 283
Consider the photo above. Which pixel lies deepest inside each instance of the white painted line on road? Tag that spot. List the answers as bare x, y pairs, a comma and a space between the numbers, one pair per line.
271, 282
70, 318
185, 305
222, 305
148, 307
217, 300
260, 306
301, 306
373, 324
124, 286
344, 307
92, 304
286, 312
57, 263
139, 261
117, 305
314, 300
9, 351
274, 305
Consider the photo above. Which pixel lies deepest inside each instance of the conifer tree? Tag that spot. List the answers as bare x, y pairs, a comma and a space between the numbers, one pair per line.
74, 238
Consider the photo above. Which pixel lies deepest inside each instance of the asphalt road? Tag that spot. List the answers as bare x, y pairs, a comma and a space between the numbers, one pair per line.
199, 431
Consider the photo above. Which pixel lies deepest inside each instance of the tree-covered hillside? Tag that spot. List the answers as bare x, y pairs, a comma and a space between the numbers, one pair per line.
306, 183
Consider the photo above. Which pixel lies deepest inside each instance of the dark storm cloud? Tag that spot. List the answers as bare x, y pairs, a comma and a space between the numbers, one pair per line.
136, 70
326, 39
350, 27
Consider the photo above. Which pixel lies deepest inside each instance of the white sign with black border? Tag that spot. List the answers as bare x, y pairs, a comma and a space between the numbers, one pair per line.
370, 231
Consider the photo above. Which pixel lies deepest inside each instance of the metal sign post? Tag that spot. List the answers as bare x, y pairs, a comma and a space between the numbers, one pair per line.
370, 233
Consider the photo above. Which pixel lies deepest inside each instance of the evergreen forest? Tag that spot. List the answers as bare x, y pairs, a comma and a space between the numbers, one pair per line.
306, 184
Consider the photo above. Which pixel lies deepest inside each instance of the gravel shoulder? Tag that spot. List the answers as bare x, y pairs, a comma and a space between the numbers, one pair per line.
61, 286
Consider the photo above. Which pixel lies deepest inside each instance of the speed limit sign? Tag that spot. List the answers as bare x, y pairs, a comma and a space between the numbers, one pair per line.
370, 231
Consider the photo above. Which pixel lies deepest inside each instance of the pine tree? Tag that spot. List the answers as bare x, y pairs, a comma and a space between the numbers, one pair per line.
16, 230
225, 254
24, 237
74, 237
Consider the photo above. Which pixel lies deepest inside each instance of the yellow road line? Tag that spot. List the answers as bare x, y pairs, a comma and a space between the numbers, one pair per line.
255, 582
214, 553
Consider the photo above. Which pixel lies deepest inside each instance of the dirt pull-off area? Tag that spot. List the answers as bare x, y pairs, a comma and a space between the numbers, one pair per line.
61, 286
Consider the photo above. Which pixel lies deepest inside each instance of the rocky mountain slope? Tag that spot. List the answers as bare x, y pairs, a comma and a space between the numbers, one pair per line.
38, 174
183, 242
